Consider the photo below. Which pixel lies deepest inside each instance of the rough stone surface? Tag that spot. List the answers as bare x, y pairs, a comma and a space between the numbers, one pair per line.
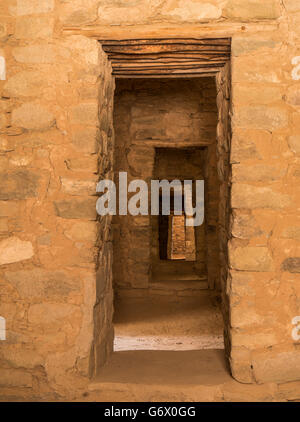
57, 121
31, 27
32, 116
37, 53
292, 265
261, 117
251, 259
18, 184
30, 7
252, 9
39, 284
249, 196
14, 249
76, 208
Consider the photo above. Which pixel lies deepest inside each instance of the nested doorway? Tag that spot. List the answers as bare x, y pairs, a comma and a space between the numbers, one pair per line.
171, 123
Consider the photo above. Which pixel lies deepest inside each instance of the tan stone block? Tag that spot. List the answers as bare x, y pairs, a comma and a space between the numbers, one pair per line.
82, 231
257, 68
15, 378
272, 366
243, 315
291, 265
252, 9
9, 208
292, 5
18, 184
3, 224
86, 140
78, 187
257, 173
32, 116
248, 196
28, 84
246, 45
76, 208
141, 160
245, 226
30, 7
14, 249
256, 94
293, 95
122, 12
85, 113
88, 92
191, 10
250, 258
89, 164
44, 239
21, 358
34, 27
37, 53
79, 14
294, 143
42, 284
261, 117
290, 390
243, 147
51, 313
292, 232
240, 364
250, 340
3, 30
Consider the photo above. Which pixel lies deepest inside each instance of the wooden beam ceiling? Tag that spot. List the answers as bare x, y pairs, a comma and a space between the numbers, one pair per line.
176, 57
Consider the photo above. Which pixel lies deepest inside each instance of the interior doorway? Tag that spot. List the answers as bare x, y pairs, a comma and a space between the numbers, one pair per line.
172, 96
166, 130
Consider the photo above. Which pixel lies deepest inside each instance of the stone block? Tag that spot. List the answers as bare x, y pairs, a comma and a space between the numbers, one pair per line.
76, 208
248, 196
248, 10
277, 367
37, 54
28, 84
78, 187
293, 95
50, 313
86, 140
15, 378
261, 117
85, 113
257, 172
32, 116
82, 231
191, 10
292, 265
294, 143
30, 7
42, 284
250, 258
13, 249
31, 27
19, 184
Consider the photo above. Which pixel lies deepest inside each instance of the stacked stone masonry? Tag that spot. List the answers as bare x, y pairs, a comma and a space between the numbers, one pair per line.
57, 140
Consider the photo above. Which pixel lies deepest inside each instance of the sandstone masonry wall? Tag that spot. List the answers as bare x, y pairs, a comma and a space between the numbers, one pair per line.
50, 245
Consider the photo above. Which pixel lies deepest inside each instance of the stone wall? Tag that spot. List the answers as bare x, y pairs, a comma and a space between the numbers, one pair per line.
49, 144
53, 148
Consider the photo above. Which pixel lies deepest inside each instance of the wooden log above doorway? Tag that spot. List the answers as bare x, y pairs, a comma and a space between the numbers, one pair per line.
175, 57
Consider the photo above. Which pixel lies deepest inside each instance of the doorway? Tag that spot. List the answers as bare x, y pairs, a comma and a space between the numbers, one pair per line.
169, 94
166, 130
